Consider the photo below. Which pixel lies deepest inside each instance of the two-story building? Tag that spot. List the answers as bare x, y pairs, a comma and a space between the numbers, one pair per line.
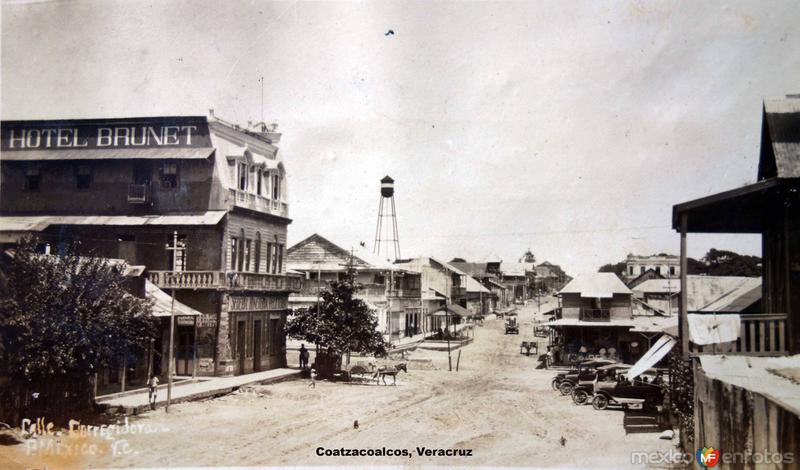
390, 290
441, 284
200, 202
663, 264
595, 316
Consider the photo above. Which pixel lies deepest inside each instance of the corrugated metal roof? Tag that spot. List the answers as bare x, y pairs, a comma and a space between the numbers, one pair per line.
594, 324
37, 223
659, 286
736, 299
782, 123
475, 286
596, 285
172, 153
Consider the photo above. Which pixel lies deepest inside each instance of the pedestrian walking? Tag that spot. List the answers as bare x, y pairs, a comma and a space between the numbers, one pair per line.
152, 385
313, 383
303, 357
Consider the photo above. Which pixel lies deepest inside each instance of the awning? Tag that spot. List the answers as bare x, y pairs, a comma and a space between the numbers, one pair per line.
613, 323
739, 210
663, 346
37, 223
162, 306
453, 310
158, 153
712, 328
597, 295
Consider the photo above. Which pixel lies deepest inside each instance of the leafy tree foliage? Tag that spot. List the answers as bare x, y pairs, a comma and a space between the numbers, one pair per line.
64, 317
725, 263
344, 324
616, 268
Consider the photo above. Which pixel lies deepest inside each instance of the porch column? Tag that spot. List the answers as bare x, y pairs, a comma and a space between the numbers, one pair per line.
683, 324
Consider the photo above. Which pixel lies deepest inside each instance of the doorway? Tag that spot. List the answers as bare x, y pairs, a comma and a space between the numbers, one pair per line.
257, 346
184, 359
240, 330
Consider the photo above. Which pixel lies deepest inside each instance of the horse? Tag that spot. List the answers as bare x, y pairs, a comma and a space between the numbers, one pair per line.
382, 372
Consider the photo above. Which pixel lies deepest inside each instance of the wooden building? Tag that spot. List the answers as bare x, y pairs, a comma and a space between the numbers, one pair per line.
731, 407
200, 202
392, 291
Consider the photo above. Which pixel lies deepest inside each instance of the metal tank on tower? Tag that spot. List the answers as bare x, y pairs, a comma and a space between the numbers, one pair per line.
386, 235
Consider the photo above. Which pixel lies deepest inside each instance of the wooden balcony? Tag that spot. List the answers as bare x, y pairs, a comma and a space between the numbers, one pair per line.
225, 281
595, 314
258, 203
762, 334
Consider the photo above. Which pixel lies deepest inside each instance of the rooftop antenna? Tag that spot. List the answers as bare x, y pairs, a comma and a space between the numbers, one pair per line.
262, 96
390, 237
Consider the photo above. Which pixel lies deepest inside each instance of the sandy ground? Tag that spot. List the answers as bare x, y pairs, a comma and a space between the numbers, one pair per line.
498, 405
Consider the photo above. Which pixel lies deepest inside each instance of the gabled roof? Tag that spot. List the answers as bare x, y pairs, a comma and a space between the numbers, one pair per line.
596, 285
473, 269
334, 257
780, 139
658, 286
475, 286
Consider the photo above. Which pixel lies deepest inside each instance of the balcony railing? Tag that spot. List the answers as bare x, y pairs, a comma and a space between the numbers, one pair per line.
224, 280
762, 334
595, 314
137, 193
259, 203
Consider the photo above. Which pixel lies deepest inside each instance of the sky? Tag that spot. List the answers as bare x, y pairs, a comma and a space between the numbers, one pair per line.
570, 129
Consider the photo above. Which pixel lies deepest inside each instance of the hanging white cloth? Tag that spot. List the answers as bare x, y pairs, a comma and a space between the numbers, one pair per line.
711, 328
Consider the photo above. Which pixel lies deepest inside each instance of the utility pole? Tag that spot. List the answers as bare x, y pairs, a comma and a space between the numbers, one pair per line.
174, 248
447, 321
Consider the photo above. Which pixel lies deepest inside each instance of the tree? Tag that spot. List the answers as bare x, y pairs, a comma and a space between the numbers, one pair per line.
65, 317
725, 263
617, 268
344, 324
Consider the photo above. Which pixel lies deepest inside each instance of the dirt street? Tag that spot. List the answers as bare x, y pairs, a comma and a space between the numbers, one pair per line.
498, 405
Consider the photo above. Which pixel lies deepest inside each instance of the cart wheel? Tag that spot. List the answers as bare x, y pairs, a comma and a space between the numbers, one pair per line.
600, 402
565, 388
580, 397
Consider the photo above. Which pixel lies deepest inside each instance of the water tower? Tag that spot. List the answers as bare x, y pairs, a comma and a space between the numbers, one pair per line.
386, 235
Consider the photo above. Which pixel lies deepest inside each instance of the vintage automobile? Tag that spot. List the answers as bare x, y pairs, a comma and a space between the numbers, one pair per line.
585, 388
512, 327
647, 394
585, 370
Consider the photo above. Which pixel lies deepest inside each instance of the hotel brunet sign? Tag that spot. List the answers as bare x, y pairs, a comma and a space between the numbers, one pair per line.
189, 131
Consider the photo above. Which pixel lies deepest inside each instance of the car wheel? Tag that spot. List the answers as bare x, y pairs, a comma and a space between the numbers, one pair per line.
554, 384
579, 396
565, 388
600, 402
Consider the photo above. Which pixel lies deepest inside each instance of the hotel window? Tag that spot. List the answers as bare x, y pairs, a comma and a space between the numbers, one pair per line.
177, 255
257, 257
279, 258
276, 187
658, 270
32, 179
234, 252
243, 176
169, 175
631, 270
247, 245
241, 250
641, 270
83, 176
258, 182
268, 267
672, 270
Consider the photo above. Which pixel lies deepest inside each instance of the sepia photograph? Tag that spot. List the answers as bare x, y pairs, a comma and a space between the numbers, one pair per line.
251, 234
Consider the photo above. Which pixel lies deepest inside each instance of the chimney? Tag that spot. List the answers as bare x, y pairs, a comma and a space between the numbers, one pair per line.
211, 112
